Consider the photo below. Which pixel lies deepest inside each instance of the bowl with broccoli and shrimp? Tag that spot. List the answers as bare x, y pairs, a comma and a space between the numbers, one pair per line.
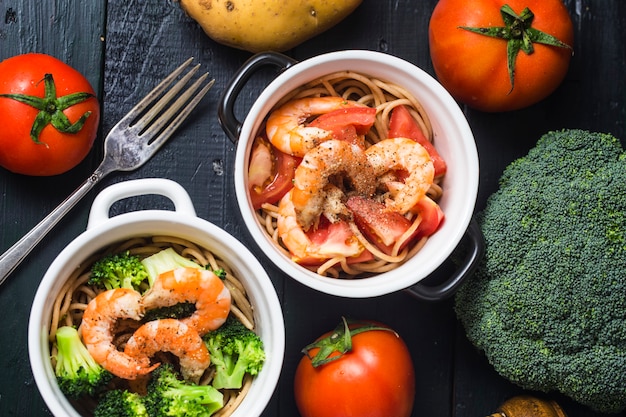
356, 173
155, 312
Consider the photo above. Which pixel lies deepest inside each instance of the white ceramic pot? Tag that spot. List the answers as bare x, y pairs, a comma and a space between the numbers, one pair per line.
453, 138
103, 230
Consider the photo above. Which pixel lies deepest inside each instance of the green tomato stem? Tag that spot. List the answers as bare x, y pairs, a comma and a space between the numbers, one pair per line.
340, 340
519, 34
51, 109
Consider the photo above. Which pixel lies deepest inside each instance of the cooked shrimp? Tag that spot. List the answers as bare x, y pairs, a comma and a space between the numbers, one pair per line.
333, 162
97, 329
200, 286
286, 128
174, 336
403, 155
341, 242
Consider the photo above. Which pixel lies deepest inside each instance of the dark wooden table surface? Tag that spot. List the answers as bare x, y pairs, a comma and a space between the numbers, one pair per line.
125, 47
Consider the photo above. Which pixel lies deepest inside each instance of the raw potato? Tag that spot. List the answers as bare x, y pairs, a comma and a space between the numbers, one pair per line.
264, 25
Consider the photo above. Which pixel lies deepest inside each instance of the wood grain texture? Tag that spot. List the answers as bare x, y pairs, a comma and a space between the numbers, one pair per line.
592, 97
71, 31
126, 48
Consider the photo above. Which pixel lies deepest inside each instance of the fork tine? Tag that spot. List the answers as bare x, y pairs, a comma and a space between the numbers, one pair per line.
164, 101
165, 126
155, 93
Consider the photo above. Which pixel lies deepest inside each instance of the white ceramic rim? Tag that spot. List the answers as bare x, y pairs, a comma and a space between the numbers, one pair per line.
154, 222
458, 202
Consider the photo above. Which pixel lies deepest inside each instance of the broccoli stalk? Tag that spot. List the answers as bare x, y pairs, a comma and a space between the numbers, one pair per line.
235, 351
121, 270
166, 260
547, 303
78, 374
121, 403
170, 396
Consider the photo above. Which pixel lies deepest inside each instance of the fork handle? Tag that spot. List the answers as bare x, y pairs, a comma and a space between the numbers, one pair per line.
10, 259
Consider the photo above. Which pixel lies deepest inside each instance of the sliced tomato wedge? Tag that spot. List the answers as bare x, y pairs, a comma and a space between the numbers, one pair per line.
402, 125
432, 216
381, 226
334, 239
270, 173
348, 124
261, 164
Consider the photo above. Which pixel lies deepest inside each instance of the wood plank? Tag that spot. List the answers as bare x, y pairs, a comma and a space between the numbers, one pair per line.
141, 42
591, 97
71, 31
144, 45
399, 28
138, 58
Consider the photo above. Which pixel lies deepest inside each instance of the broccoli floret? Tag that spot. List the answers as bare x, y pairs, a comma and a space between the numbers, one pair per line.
78, 374
120, 270
547, 302
168, 395
220, 273
166, 260
235, 351
120, 403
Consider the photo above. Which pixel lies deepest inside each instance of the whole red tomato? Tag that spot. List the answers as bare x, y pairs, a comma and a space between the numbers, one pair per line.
364, 370
492, 54
49, 115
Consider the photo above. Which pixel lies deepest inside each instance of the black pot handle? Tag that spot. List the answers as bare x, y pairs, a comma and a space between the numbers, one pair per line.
226, 106
475, 252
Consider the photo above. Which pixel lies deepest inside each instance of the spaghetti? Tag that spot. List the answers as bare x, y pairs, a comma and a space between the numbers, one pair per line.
384, 97
76, 294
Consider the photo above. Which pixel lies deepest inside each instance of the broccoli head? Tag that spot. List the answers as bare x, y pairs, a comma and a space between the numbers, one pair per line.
120, 403
168, 395
78, 374
547, 303
120, 270
235, 351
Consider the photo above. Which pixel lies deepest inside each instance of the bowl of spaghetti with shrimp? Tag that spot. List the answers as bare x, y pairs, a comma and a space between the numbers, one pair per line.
192, 279
356, 173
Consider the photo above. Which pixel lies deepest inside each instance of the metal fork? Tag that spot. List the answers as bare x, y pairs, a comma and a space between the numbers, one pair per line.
129, 144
